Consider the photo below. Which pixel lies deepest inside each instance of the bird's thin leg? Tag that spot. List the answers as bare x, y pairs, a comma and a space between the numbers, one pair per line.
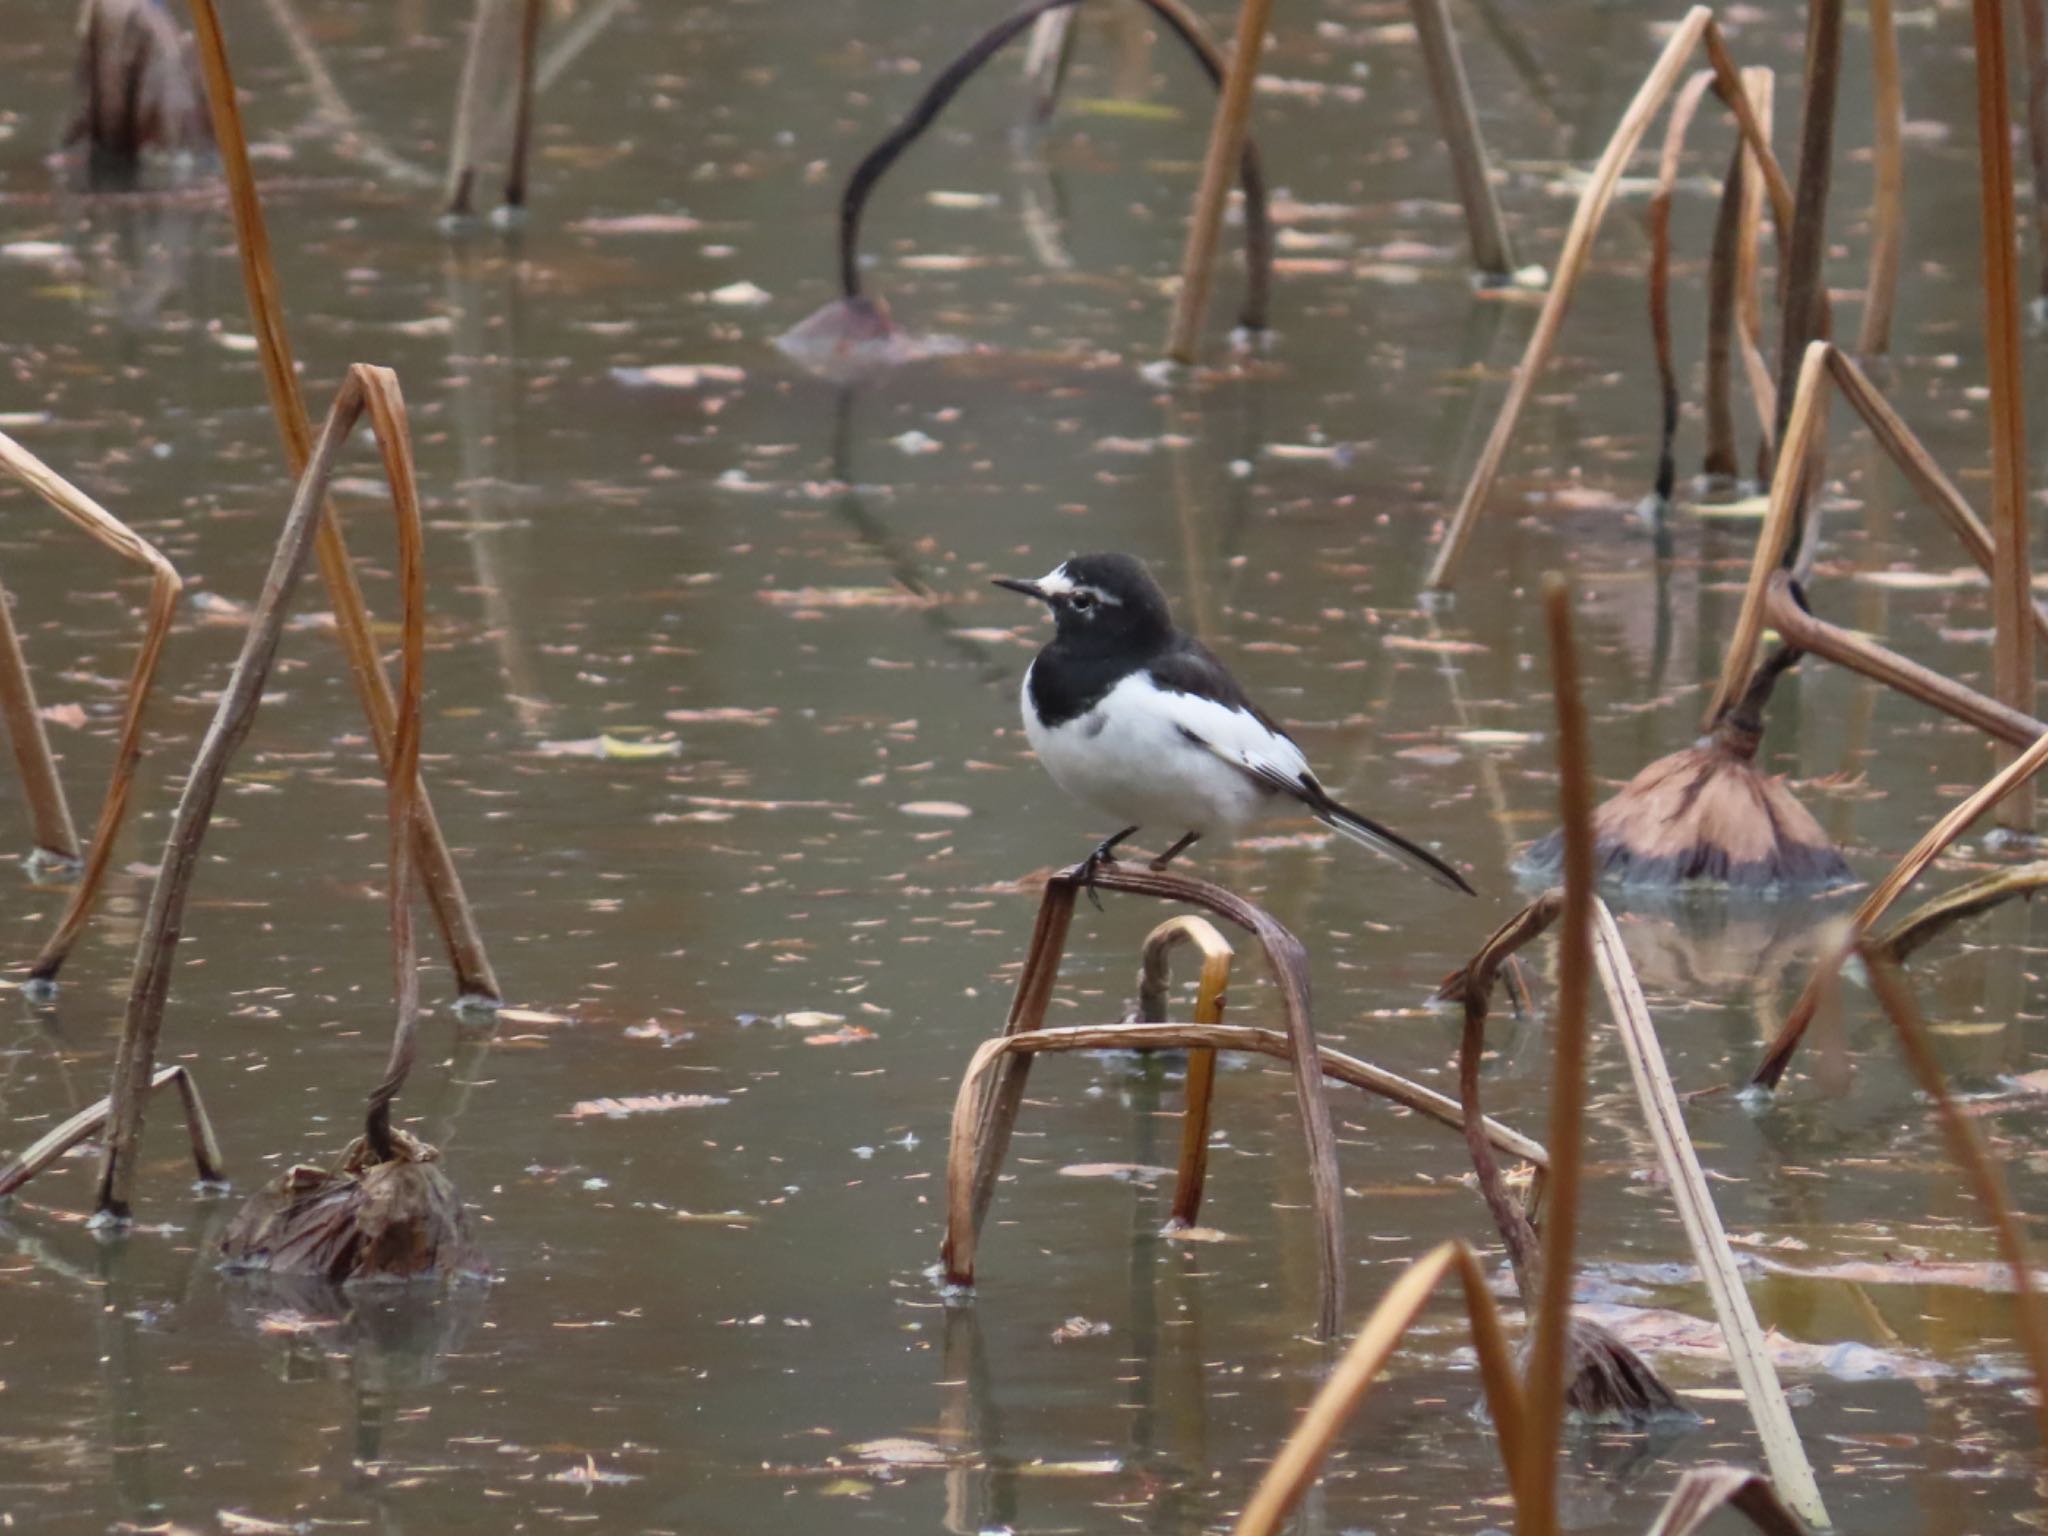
1187, 841
1105, 853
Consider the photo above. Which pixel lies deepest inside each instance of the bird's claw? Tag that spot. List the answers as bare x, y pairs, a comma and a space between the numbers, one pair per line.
1090, 866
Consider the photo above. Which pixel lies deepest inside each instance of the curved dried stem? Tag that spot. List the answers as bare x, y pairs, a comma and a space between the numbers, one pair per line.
1181, 21
1473, 986
49, 1148
1193, 1172
1928, 921
1698, 27
1777, 538
474, 977
970, 1128
1966, 1147
995, 1108
394, 439
1303, 1454
1784, 611
1704, 1492
1888, 890
365, 388
1683, 110
1764, 602
109, 532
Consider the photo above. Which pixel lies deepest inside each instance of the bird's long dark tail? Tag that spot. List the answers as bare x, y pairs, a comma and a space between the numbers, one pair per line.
1363, 829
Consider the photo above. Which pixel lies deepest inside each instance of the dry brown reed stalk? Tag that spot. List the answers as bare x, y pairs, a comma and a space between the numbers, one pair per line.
1827, 367
1888, 890
1306, 1449
1544, 1381
1602, 1377
1334, 1064
56, 839
111, 533
1748, 1349
2012, 646
1193, 1171
137, 92
1787, 613
90, 1121
992, 1112
1696, 30
386, 1210
1683, 110
1967, 1149
1229, 130
1493, 254
1888, 201
857, 317
1932, 918
366, 389
475, 981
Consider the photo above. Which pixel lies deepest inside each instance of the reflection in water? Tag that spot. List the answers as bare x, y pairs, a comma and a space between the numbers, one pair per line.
1158, 1375
488, 400
610, 556
137, 253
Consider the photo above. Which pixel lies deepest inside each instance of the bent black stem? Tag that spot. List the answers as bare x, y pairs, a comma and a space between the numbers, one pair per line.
1804, 307
861, 184
1741, 729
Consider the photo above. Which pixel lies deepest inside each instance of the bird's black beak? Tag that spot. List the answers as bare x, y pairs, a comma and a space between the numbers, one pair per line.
1017, 584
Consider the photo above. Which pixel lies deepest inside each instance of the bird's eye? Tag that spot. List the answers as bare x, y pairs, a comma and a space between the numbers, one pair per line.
1082, 602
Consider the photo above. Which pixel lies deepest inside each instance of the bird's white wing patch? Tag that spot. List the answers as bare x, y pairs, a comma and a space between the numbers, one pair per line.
1238, 737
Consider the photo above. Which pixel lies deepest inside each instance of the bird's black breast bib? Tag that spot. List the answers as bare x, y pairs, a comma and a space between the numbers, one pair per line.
1065, 687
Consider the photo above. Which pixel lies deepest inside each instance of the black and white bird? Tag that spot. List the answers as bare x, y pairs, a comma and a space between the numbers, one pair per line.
1142, 722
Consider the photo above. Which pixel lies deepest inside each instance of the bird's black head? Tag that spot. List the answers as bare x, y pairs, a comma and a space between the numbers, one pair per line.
1102, 603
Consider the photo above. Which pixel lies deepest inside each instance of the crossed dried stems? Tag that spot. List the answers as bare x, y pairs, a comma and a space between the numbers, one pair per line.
1697, 29
368, 390
1765, 599
475, 981
55, 838
1528, 1411
991, 1092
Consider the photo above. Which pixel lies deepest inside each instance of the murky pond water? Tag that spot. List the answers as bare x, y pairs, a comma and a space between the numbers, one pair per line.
718, 1315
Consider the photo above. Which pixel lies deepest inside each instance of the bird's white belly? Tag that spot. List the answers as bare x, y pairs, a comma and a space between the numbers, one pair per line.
1128, 758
